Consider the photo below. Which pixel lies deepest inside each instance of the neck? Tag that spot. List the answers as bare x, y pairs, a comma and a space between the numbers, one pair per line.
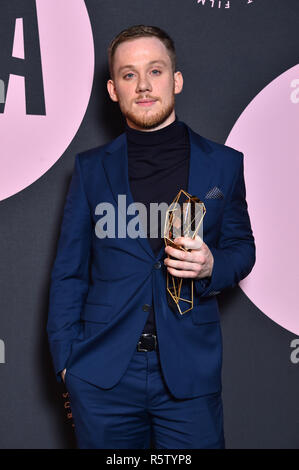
171, 133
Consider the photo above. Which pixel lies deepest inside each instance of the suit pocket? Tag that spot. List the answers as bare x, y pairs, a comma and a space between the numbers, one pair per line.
98, 313
214, 204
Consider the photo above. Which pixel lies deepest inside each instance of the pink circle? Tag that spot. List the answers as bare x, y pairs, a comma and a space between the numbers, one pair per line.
267, 133
31, 144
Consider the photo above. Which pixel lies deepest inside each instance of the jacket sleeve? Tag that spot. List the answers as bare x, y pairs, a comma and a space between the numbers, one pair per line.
234, 255
70, 273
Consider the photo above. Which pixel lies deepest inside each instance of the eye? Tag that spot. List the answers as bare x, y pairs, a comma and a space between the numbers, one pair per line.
130, 73
156, 70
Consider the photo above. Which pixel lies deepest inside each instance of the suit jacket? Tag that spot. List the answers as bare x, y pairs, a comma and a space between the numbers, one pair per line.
102, 288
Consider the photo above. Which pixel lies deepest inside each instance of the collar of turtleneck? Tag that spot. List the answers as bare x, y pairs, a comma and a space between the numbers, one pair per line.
173, 131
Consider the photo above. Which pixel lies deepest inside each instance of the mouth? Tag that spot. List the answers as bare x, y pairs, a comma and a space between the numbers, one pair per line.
146, 102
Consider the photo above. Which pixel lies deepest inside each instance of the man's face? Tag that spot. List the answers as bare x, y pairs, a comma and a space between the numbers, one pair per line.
144, 84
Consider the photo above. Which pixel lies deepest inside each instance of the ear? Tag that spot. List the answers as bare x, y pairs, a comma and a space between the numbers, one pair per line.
112, 90
178, 82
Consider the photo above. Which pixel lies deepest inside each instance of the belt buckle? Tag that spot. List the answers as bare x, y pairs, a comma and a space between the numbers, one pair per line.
146, 334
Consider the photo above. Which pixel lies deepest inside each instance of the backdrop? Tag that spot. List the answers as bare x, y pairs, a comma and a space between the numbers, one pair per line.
239, 61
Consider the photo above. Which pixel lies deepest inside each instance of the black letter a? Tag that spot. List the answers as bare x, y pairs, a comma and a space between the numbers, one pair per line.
30, 67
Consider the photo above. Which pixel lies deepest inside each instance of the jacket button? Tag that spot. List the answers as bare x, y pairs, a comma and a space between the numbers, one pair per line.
157, 265
146, 307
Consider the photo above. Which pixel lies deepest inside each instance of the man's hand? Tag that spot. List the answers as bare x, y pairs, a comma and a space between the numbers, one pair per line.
196, 264
63, 374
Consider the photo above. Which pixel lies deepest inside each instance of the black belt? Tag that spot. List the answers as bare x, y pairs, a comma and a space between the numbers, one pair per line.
147, 342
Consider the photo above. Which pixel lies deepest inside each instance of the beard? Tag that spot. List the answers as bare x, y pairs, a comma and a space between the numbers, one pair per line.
149, 121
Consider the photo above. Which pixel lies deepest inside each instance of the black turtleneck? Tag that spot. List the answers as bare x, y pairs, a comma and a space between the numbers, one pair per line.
158, 167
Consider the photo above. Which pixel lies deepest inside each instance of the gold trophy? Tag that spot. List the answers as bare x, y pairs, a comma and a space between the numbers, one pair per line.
183, 218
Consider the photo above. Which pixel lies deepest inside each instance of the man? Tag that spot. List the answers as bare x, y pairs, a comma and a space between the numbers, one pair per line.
137, 370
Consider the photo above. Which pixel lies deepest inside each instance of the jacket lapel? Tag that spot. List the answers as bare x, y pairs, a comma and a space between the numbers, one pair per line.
116, 167
200, 168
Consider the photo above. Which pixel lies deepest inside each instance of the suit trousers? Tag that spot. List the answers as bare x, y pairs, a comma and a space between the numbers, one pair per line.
139, 412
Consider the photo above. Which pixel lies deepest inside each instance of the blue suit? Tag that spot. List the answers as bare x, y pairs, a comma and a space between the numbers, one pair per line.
99, 287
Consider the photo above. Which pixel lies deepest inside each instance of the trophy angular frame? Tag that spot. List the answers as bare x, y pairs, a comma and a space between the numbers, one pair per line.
176, 222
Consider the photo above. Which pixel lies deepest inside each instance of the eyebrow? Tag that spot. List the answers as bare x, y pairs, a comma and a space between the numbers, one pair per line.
130, 66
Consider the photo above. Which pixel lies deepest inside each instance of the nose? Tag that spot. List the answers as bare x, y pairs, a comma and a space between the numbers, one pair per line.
143, 84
